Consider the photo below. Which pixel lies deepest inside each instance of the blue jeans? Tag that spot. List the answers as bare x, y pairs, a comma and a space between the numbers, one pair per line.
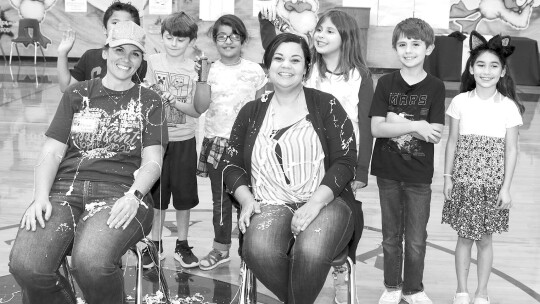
96, 252
404, 212
222, 210
295, 269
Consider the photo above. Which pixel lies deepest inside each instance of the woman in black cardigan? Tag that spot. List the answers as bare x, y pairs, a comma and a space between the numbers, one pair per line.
291, 159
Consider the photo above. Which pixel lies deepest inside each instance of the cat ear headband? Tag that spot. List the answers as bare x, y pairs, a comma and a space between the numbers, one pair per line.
498, 44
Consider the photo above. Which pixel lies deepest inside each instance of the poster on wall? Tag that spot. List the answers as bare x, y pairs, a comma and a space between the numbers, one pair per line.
211, 10
75, 6
433, 12
436, 13
159, 7
392, 12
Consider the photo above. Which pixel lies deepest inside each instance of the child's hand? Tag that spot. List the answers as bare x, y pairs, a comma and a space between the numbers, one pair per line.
447, 189
427, 132
68, 39
504, 200
357, 185
167, 97
268, 9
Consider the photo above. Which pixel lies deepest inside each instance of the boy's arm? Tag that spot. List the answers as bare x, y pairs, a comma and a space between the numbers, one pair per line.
64, 76
380, 127
186, 108
392, 117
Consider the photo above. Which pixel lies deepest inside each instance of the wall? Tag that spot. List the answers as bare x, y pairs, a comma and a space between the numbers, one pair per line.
486, 16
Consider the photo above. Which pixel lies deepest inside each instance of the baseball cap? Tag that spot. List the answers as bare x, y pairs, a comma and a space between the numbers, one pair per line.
126, 32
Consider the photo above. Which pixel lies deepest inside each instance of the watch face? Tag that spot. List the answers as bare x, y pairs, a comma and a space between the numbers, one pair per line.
138, 195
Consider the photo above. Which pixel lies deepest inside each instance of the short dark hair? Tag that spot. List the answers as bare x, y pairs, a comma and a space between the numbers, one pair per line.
238, 27
414, 28
180, 24
284, 38
121, 6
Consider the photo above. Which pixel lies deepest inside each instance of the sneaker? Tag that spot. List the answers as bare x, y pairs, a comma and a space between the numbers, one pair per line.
184, 255
341, 287
213, 259
417, 298
481, 301
147, 260
461, 298
390, 297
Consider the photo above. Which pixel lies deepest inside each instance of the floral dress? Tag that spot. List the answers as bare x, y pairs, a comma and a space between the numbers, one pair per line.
478, 171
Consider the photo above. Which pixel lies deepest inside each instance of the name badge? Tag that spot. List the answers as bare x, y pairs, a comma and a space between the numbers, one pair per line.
84, 123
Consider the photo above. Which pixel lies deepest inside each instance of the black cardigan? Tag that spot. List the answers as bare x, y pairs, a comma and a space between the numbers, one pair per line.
333, 129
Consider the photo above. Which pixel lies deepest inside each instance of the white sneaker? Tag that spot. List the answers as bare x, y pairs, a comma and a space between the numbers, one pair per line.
461, 298
417, 298
341, 287
482, 301
390, 297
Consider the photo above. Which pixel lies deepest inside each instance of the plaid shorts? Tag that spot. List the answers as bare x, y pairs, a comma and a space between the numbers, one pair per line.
211, 152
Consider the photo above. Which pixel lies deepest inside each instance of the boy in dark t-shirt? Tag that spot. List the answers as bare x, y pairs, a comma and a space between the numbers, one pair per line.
407, 119
91, 64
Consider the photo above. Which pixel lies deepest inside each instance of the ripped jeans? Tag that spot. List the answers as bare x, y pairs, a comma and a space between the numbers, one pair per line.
96, 252
295, 269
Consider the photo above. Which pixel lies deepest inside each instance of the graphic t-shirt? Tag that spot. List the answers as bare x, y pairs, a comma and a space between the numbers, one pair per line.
92, 65
232, 87
179, 80
106, 130
405, 158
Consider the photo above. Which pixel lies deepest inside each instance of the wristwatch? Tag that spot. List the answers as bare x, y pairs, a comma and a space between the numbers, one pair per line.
135, 193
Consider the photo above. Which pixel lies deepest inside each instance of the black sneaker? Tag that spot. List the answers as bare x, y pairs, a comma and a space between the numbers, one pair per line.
147, 260
184, 255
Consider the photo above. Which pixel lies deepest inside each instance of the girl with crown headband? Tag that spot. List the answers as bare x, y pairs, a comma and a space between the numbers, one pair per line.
481, 155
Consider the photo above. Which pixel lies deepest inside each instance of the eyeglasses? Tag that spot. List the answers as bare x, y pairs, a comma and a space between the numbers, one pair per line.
223, 37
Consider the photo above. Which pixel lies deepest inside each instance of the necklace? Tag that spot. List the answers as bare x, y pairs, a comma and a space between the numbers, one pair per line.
115, 98
231, 64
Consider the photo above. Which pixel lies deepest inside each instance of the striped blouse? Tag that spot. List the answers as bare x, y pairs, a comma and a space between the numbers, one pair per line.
287, 164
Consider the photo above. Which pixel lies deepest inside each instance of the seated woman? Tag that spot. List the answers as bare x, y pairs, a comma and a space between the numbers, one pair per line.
291, 159
102, 154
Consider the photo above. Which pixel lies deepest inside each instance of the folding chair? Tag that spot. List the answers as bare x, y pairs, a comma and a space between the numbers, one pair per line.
26, 38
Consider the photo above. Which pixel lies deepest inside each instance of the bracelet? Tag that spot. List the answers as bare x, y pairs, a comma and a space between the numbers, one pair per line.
446, 174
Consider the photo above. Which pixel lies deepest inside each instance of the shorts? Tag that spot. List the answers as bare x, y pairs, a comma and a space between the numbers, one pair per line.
178, 177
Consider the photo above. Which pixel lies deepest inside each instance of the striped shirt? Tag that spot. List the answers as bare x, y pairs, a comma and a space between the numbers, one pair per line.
287, 164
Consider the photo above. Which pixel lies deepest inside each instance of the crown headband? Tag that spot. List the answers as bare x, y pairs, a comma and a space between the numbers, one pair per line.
498, 44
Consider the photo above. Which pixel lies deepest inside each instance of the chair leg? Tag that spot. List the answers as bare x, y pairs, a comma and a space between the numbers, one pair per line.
42, 53
11, 53
18, 54
352, 281
138, 286
35, 53
248, 286
155, 256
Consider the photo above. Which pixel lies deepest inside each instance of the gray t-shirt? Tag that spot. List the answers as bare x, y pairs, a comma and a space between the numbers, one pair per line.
179, 80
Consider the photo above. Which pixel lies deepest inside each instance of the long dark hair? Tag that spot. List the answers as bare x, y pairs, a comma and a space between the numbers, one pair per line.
499, 47
350, 50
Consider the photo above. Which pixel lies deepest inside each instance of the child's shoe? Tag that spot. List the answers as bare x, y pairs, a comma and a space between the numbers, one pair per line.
417, 298
147, 260
213, 259
461, 298
481, 300
184, 255
390, 297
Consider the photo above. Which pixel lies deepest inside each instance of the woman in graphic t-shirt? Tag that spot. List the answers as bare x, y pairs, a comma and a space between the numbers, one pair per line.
102, 154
